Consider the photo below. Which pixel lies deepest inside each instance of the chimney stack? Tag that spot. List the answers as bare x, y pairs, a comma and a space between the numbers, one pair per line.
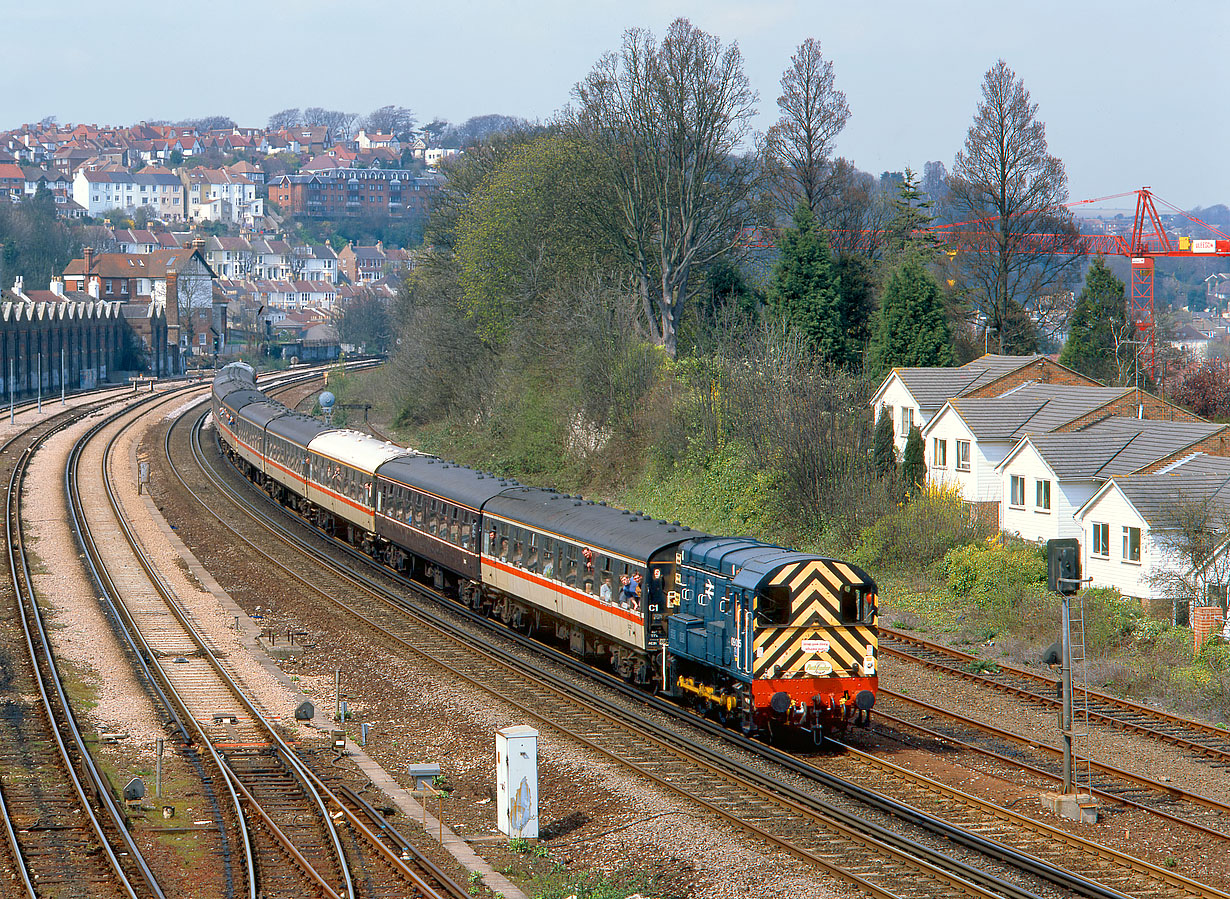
92, 287
88, 254
19, 284
57, 286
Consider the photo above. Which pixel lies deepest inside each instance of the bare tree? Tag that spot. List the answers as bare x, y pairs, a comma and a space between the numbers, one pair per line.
666, 122
396, 120
798, 146
286, 118
340, 124
854, 211
1020, 240
1192, 533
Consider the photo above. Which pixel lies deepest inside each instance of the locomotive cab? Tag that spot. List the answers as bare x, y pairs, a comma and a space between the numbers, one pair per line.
769, 638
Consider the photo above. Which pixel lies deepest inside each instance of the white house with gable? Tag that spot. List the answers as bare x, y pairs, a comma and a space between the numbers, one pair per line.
966, 442
1046, 478
1129, 534
913, 396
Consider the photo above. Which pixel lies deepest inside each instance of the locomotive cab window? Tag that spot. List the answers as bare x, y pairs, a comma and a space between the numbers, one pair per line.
773, 605
857, 606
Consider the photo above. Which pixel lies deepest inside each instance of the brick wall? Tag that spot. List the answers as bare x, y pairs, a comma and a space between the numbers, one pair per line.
1041, 371
1154, 408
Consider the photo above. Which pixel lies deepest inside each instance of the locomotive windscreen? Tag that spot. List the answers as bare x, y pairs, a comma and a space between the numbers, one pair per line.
857, 605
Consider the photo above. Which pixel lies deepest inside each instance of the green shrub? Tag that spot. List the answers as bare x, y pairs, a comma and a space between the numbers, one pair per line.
920, 532
1111, 621
722, 492
995, 574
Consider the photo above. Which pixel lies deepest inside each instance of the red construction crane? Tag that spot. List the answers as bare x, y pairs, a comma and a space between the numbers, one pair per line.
1147, 241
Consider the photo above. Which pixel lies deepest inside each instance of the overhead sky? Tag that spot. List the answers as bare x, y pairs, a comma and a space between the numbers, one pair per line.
1132, 93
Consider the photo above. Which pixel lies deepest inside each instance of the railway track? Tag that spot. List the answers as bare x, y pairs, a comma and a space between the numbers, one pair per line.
1203, 814
297, 837
646, 745
65, 834
1201, 740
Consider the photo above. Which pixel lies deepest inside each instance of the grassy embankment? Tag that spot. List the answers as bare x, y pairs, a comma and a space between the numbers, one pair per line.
938, 574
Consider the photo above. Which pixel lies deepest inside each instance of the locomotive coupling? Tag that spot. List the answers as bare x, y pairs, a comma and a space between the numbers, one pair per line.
728, 701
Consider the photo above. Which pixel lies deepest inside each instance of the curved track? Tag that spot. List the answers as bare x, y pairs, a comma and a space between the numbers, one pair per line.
61, 821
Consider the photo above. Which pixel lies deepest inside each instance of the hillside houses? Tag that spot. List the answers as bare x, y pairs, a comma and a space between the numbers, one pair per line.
913, 396
1110, 466
1161, 536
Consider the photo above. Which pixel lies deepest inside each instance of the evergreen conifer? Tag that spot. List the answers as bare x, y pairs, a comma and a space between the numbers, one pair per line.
911, 329
913, 465
883, 452
1098, 316
804, 290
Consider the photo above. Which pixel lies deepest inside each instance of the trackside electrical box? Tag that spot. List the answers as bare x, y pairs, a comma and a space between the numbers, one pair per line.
516, 780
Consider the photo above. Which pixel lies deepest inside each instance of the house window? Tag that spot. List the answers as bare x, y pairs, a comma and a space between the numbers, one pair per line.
1131, 544
1101, 539
939, 453
1017, 492
962, 455
1043, 496
907, 421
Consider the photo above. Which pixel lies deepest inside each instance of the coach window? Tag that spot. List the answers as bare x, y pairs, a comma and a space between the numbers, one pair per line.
531, 561
455, 528
418, 510
433, 517
518, 552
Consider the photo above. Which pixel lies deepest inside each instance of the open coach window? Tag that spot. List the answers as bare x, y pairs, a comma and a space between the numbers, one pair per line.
857, 606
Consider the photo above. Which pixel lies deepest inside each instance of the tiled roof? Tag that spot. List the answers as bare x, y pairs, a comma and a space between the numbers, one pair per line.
1200, 479
1117, 446
1034, 409
933, 387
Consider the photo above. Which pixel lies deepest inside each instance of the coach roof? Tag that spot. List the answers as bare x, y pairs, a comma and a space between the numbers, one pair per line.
587, 522
356, 449
261, 414
237, 399
455, 483
297, 428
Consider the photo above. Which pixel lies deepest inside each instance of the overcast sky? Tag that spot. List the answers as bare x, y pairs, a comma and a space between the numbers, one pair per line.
1132, 93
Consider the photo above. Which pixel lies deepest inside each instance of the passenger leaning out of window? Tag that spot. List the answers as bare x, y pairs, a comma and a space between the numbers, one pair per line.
627, 591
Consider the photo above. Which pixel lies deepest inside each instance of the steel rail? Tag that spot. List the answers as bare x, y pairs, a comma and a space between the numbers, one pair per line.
1048, 680
9, 832
155, 677
1139, 779
1140, 866
289, 757
1132, 708
24, 589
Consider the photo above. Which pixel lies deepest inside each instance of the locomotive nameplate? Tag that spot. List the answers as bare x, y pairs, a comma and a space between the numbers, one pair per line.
818, 668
